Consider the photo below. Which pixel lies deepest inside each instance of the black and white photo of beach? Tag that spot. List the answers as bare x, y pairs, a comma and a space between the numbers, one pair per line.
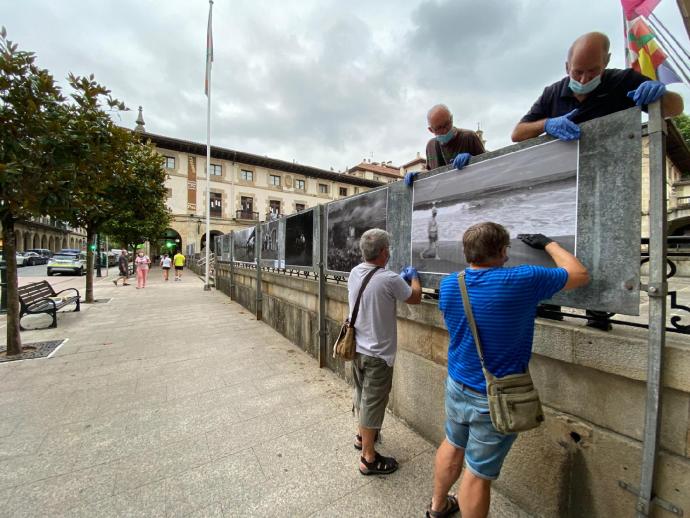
528, 191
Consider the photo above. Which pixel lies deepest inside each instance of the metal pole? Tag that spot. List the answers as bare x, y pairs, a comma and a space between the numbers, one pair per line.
257, 255
657, 289
232, 265
3, 289
207, 286
98, 255
321, 247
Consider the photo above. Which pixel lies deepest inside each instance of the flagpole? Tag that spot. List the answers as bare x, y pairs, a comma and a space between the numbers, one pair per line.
209, 59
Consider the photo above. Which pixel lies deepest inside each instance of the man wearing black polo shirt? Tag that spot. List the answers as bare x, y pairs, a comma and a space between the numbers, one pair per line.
590, 90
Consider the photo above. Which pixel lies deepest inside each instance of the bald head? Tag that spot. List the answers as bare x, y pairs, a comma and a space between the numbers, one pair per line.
588, 57
440, 119
590, 43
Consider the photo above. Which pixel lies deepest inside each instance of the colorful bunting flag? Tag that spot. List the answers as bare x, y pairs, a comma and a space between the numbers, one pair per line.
644, 52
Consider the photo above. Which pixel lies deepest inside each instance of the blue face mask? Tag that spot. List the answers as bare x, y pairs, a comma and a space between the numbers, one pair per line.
584, 89
444, 139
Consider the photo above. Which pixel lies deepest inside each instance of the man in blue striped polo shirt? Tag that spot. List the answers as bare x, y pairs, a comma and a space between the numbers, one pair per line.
504, 302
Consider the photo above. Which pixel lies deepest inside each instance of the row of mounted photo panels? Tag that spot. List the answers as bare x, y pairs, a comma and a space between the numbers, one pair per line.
529, 191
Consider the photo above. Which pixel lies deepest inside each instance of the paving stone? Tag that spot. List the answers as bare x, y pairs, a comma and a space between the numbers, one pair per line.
242, 435
215, 510
157, 464
147, 501
55, 495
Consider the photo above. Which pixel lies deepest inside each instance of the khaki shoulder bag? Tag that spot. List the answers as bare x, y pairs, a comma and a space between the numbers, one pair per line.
513, 401
345, 346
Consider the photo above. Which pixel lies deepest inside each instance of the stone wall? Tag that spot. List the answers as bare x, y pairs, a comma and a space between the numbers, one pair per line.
591, 383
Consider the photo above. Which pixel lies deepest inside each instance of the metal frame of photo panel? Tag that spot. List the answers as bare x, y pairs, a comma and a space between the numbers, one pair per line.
324, 245
315, 243
608, 213
280, 261
235, 233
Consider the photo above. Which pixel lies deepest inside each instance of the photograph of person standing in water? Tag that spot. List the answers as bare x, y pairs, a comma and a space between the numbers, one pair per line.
533, 190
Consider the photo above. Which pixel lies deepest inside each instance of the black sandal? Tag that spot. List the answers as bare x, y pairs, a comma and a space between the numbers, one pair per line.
452, 507
358, 439
380, 466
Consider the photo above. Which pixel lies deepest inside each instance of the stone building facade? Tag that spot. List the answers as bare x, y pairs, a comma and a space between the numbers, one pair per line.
49, 234
244, 190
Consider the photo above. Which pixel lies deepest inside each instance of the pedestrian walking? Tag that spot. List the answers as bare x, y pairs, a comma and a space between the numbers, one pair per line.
166, 264
142, 263
123, 267
178, 261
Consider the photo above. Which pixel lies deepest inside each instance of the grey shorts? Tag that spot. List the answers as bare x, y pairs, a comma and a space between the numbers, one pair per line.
373, 380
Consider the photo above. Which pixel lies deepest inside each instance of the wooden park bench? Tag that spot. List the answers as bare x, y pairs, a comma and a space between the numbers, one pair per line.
40, 297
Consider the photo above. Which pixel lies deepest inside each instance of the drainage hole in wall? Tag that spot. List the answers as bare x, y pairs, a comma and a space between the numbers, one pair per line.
575, 436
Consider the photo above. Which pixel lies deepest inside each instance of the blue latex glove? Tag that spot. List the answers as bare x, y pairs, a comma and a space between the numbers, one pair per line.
408, 273
562, 127
409, 178
461, 160
647, 92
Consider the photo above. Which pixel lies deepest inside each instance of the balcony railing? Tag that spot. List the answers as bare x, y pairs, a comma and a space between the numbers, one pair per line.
247, 215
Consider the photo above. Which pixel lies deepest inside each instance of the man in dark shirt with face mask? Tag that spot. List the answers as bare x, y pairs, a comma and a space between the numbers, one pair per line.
449, 141
451, 145
590, 90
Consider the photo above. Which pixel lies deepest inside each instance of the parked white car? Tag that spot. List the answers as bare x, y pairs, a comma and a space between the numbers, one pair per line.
67, 263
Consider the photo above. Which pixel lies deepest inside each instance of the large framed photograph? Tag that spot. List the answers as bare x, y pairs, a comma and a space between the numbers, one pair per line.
272, 244
533, 190
244, 249
299, 239
346, 221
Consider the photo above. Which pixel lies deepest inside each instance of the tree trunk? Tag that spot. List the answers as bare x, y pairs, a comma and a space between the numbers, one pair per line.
89, 264
14, 340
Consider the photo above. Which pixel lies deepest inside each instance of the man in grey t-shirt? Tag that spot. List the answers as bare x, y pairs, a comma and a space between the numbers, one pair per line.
376, 337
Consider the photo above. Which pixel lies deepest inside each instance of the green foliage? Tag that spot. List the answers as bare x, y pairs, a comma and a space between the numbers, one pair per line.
139, 195
683, 124
36, 172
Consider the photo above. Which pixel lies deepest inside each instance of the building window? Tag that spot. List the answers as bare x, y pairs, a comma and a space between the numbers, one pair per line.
247, 176
356, 190
299, 207
168, 192
274, 180
273, 209
169, 162
246, 207
299, 184
216, 206
323, 188
377, 178
343, 191
216, 170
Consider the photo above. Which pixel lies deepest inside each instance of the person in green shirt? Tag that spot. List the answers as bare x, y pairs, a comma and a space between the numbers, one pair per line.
178, 261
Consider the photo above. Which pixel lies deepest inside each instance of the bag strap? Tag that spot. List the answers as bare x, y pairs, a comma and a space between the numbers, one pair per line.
355, 310
473, 325
439, 154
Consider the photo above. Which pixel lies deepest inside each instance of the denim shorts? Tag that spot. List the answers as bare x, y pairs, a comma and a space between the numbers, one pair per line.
469, 427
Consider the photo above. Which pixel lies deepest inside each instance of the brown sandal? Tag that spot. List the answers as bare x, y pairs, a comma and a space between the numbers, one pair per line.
379, 466
452, 507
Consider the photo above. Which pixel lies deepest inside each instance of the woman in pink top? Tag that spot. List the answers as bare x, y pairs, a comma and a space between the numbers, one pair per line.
142, 261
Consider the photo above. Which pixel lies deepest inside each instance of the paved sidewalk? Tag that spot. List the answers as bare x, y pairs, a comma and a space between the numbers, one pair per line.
172, 401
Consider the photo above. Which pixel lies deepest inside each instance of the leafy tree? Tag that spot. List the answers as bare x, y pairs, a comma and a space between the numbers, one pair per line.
97, 147
683, 124
36, 176
139, 196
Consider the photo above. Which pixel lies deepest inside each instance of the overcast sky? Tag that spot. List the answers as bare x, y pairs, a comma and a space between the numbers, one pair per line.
325, 83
